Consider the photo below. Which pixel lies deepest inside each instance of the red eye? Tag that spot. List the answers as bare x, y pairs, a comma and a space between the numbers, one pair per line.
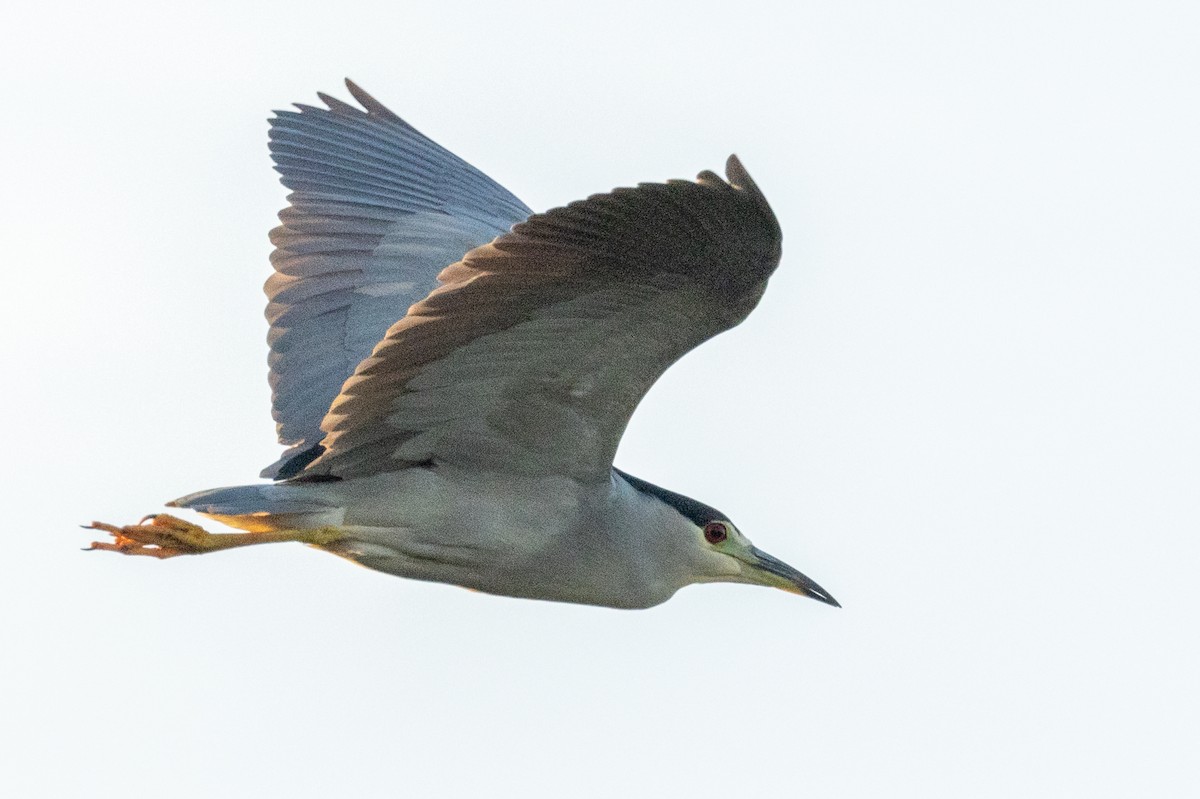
715, 532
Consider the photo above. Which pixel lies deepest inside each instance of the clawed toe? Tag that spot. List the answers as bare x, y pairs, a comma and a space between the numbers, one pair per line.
160, 535
156, 536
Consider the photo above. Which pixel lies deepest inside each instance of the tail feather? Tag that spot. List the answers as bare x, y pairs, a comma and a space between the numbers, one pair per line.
267, 507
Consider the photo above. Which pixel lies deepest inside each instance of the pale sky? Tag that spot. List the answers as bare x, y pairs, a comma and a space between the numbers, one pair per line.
968, 407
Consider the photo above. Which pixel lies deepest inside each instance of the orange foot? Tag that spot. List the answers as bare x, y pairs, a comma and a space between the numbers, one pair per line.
161, 536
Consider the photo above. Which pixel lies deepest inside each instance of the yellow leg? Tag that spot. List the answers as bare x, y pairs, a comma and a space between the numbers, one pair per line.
163, 536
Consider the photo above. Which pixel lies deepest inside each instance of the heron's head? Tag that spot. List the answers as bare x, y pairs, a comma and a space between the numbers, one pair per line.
718, 552
730, 557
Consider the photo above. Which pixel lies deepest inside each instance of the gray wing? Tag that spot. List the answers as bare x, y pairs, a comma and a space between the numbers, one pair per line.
534, 352
376, 211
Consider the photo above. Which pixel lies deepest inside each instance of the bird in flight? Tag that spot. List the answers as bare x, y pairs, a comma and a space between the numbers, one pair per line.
452, 372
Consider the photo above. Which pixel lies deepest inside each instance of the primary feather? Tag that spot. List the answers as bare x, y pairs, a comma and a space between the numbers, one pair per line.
377, 210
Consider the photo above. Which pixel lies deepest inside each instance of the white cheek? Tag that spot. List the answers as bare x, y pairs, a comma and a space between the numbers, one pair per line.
721, 566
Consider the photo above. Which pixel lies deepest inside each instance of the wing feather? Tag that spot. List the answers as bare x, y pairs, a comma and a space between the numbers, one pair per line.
377, 210
537, 347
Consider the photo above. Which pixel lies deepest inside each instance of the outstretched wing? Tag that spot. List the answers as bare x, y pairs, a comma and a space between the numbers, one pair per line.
376, 211
534, 352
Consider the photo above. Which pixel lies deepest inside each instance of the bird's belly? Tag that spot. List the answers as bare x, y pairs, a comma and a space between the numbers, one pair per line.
512, 537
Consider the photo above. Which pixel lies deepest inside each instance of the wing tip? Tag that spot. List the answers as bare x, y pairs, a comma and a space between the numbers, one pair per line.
736, 172
372, 111
373, 106
740, 180
338, 106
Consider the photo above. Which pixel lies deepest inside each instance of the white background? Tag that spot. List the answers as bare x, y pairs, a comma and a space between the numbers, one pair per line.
967, 407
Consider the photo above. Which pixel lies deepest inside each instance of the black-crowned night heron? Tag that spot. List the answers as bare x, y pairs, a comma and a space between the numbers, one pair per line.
472, 441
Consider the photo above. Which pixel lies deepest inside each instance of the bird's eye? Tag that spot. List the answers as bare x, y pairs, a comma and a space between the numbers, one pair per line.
715, 532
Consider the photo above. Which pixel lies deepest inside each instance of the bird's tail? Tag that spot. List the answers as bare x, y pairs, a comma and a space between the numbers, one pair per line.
277, 506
